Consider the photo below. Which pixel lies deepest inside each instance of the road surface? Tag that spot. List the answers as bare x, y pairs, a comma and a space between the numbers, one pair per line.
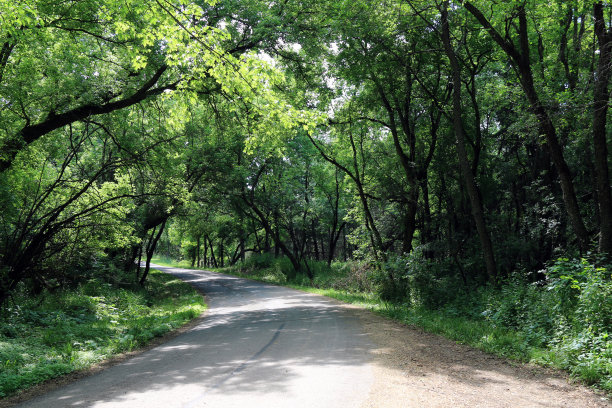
268, 346
259, 346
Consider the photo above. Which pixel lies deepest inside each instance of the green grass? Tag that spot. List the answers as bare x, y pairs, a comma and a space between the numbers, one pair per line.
70, 330
165, 261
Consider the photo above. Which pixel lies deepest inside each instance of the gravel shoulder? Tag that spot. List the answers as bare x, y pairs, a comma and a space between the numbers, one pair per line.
413, 368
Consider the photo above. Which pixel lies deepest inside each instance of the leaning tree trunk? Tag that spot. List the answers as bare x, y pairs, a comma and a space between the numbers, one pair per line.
151, 250
466, 170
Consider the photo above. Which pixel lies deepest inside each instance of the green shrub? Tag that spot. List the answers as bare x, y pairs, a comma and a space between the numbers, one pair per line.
258, 261
352, 276
569, 313
418, 281
584, 301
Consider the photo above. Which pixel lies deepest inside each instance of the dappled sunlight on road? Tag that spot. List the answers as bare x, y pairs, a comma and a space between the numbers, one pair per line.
259, 345
268, 346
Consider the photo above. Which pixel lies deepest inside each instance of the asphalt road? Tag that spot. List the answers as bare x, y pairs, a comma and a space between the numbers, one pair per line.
259, 346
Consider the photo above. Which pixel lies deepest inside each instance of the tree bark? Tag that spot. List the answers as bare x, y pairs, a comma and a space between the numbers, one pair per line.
198, 252
213, 260
600, 145
151, 250
468, 176
139, 261
314, 240
205, 252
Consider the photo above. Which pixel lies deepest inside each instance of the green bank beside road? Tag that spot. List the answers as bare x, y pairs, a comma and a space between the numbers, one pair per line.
72, 329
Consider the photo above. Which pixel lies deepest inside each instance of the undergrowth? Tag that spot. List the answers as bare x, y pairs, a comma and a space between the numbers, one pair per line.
165, 261
72, 329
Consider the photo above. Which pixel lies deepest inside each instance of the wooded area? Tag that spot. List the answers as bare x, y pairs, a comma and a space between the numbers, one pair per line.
468, 138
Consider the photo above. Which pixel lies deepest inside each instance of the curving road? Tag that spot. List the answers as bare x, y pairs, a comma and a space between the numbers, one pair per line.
259, 346
268, 346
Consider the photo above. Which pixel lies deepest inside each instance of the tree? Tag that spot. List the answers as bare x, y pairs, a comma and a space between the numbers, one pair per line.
520, 57
601, 98
468, 175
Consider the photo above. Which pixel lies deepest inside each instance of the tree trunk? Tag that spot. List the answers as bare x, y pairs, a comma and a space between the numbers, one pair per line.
205, 252
521, 61
130, 262
242, 249
600, 145
426, 228
212, 253
139, 262
410, 219
267, 247
314, 240
198, 251
151, 251
468, 176
407, 161
344, 247
279, 245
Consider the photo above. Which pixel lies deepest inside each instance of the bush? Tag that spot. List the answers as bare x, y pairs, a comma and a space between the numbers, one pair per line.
570, 313
258, 261
584, 300
418, 281
351, 276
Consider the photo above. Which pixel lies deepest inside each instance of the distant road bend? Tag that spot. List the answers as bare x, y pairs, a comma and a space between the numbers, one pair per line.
268, 346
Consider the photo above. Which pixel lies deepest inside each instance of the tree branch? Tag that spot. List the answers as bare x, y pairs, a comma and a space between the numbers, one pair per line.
31, 133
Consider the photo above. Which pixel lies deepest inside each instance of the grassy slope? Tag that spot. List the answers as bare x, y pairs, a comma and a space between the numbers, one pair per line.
71, 330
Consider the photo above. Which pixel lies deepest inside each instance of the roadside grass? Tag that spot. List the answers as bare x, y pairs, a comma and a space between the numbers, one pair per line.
462, 321
165, 261
72, 329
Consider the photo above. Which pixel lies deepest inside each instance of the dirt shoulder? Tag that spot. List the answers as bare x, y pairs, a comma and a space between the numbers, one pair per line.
413, 368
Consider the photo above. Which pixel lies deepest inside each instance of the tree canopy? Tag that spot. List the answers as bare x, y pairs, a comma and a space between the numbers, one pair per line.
473, 133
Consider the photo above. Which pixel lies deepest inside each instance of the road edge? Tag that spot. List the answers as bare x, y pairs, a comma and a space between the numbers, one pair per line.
66, 379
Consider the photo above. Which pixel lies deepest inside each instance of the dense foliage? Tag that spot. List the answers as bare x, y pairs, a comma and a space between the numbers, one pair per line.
453, 147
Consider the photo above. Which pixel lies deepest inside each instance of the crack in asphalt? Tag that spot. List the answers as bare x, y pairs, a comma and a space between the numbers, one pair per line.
238, 369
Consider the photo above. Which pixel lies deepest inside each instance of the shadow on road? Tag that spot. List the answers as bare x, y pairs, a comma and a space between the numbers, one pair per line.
257, 340
268, 346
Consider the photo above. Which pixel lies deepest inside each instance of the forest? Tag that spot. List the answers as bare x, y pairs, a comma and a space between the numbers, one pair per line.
445, 155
